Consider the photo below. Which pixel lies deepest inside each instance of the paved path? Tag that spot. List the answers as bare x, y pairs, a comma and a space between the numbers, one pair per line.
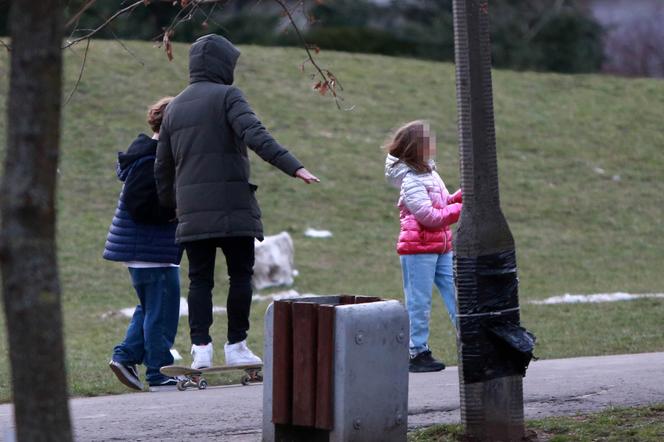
552, 387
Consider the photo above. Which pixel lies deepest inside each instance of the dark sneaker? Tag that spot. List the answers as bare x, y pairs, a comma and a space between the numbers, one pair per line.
126, 374
424, 362
164, 385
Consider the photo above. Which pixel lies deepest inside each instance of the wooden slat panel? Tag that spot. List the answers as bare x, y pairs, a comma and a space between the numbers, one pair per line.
325, 368
282, 364
305, 330
365, 299
346, 299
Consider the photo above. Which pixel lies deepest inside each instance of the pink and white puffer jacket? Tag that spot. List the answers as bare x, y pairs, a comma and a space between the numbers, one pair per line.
426, 209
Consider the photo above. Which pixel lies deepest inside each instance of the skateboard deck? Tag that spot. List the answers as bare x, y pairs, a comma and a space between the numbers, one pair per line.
194, 377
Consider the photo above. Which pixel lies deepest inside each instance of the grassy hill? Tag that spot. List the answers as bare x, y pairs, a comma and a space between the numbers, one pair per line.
580, 158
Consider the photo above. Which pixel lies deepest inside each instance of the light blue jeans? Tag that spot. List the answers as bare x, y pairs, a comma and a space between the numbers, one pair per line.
420, 273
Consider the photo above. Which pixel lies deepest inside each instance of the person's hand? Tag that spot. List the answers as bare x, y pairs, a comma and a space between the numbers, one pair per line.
456, 197
306, 176
454, 212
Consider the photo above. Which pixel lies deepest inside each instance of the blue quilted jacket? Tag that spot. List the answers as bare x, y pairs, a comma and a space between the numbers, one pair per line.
127, 239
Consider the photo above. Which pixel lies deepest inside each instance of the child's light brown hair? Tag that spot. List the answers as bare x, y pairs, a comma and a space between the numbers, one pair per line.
156, 113
409, 144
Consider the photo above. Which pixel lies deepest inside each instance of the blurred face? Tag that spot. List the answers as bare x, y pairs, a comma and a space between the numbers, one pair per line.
428, 144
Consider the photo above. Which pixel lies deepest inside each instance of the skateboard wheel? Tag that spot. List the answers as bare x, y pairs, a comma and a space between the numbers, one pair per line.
182, 385
202, 384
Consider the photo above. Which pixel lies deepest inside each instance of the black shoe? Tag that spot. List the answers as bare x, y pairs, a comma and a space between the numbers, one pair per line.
164, 385
424, 362
126, 374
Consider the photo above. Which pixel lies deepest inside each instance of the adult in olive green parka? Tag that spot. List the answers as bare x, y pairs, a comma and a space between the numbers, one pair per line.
202, 169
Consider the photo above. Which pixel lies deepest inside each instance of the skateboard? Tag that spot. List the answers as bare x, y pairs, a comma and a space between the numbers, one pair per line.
193, 377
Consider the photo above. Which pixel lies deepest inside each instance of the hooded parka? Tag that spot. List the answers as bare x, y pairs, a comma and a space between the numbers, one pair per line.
202, 167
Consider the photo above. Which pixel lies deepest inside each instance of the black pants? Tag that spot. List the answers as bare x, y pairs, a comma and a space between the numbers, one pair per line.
239, 252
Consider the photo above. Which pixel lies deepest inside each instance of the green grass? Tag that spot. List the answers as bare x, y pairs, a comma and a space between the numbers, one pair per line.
641, 424
576, 231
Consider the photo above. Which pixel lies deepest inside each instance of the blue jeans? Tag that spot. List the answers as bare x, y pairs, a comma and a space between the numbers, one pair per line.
152, 329
420, 272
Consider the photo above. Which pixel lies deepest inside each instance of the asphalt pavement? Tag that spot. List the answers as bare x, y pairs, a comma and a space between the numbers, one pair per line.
234, 413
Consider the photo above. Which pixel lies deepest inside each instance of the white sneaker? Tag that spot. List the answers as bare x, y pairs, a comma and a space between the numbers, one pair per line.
202, 356
239, 354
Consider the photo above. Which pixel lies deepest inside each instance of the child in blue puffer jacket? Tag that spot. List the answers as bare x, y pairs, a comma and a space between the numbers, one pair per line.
142, 236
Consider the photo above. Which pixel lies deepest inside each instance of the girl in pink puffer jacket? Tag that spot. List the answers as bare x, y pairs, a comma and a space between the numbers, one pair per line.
427, 210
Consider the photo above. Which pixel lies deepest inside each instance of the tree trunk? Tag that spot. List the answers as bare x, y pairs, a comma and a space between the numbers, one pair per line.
30, 285
485, 259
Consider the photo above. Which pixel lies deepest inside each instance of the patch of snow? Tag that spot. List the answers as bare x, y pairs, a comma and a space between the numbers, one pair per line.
315, 233
184, 309
278, 296
110, 314
128, 312
176, 355
599, 170
599, 297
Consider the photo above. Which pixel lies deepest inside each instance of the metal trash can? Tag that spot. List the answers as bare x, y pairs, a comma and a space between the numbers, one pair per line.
335, 369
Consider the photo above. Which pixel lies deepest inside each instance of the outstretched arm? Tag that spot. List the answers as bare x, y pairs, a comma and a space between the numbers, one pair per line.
248, 127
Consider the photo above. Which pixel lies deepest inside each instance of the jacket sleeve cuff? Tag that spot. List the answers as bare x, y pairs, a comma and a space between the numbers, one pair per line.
289, 164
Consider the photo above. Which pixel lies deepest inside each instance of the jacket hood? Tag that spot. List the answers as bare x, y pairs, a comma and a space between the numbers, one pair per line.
396, 171
141, 147
212, 58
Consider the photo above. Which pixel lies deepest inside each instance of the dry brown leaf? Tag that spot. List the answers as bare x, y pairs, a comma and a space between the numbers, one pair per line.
168, 46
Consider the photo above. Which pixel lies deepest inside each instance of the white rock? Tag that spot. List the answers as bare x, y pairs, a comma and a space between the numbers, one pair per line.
274, 262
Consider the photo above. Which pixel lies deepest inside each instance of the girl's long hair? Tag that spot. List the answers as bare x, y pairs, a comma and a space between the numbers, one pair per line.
408, 143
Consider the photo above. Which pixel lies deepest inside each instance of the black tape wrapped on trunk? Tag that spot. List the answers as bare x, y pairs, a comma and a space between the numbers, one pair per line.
493, 343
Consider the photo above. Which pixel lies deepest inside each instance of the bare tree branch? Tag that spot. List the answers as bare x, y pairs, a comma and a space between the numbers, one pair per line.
80, 73
188, 8
77, 16
327, 83
106, 23
124, 46
177, 20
